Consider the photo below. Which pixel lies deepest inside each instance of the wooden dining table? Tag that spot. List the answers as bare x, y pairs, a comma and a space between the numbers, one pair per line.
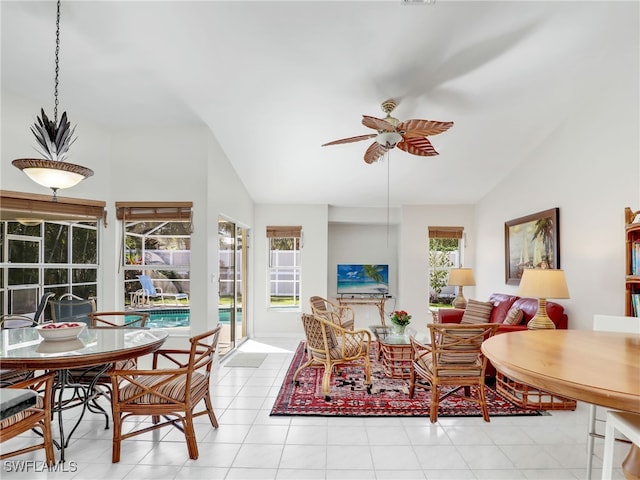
601, 368
24, 349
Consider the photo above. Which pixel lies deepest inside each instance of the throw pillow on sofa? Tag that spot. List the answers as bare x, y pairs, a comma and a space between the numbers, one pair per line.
514, 317
477, 312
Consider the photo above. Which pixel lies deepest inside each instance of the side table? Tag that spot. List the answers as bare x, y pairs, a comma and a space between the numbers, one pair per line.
395, 354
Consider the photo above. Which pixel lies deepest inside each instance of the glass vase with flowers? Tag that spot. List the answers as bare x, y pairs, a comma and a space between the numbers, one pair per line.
400, 319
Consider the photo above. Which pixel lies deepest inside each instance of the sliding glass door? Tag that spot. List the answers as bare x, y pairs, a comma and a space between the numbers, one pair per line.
232, 287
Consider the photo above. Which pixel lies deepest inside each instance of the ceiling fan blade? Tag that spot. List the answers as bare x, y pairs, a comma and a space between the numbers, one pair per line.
374, 152
350, 139
423, 128
418, 146
377, 124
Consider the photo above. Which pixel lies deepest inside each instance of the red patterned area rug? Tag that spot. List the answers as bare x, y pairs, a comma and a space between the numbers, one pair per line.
389, 397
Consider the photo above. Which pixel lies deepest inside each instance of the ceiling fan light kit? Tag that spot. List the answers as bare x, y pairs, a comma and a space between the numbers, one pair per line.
410, 135
388, 139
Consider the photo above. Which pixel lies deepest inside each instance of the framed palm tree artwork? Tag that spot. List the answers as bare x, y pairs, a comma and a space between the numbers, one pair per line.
532, 241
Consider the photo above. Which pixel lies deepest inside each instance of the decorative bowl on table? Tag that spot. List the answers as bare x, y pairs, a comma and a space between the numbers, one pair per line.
60, 331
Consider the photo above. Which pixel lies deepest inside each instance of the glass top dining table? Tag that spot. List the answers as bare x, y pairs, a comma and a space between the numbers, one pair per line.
23, 348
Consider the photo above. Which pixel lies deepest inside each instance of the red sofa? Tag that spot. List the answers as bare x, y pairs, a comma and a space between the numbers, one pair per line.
502, 304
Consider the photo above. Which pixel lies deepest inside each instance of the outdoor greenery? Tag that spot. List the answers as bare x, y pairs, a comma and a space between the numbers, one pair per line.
439, 264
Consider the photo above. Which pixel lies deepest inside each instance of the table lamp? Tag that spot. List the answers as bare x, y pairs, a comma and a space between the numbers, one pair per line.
542, 284
461, 277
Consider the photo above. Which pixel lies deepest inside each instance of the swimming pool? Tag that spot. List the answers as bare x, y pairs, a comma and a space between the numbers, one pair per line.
176, 318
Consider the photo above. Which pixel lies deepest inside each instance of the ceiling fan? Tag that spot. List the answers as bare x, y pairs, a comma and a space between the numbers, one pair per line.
410, 135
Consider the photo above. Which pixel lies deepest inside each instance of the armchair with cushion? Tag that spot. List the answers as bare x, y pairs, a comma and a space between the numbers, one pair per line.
341, 315
172, 393
36, 417
453, 358
95, 381
329, 345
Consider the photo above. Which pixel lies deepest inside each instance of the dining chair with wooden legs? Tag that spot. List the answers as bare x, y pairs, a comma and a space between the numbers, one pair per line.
36, 417
171, 393
453, 359
94, 380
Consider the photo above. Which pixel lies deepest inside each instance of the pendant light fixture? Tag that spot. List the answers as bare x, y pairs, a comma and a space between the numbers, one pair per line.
54, 139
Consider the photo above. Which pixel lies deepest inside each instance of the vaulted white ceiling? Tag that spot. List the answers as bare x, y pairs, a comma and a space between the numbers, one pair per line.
275, 80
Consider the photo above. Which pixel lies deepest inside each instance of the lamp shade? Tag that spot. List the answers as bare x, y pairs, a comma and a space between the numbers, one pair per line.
461, 277
543, 283
51, 173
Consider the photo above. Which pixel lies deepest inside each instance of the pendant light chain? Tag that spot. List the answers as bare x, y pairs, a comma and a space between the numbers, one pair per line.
55, 91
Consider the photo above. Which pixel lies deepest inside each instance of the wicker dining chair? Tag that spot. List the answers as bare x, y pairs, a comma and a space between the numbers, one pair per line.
173, 393
453, 359
36, 417
341, 315
96, 377
329, 346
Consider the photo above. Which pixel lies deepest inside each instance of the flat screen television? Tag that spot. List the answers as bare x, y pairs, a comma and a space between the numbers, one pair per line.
356, 279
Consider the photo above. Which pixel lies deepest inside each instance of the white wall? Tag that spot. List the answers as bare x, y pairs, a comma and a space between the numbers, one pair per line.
414, 252
92, 149
589, 167
363, 243
172, 164
585, 161
314, 220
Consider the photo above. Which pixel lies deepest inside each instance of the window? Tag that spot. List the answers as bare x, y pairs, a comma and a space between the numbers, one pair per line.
445, 252
48, 257
157, 243
47, 247
284, 266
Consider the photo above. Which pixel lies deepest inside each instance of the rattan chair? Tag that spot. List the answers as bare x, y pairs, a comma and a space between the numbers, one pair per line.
453, 359
172, 393
329, 346
94, 380
36, 417
341, 315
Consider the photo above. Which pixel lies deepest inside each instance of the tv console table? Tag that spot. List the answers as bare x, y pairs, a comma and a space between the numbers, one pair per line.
374, 300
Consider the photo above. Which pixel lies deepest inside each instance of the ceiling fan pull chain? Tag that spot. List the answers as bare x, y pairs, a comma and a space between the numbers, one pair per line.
388, 175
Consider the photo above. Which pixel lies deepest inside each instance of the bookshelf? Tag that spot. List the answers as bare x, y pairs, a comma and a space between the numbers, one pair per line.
632, 263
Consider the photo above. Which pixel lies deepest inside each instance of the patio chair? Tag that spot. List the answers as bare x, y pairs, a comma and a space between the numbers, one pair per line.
36, 417
329, 346
452, 359
341, 315
71, 308
25, 320
173, 393
149, 291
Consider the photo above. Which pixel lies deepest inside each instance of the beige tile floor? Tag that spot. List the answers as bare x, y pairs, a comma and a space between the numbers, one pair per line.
252, 445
